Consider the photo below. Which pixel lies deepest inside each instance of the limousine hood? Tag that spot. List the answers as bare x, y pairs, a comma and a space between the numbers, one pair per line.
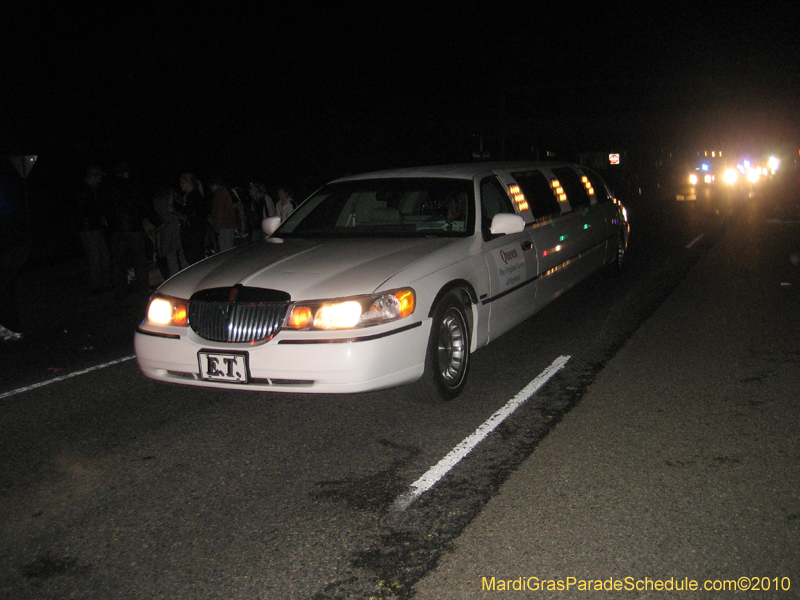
306, 269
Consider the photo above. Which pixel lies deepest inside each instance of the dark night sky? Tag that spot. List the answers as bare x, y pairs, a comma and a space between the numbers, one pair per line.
327, 88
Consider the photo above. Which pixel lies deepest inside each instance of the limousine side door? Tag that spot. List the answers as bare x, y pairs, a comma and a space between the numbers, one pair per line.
510, 262
569, 246
611, 211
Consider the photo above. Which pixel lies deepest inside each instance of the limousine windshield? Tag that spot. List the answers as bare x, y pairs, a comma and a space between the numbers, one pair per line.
396, 207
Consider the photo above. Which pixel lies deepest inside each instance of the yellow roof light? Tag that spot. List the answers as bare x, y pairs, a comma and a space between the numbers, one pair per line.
562, 197
518, 197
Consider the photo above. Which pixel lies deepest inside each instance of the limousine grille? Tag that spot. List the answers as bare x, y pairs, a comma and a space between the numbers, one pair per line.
245, 315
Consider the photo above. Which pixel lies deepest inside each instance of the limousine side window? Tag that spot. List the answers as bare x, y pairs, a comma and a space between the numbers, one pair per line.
573, 186
494, 200
539, 194
600, 190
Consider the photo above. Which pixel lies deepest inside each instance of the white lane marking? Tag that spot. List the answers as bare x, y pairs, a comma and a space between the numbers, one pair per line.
435, 473
63, 377
694, 241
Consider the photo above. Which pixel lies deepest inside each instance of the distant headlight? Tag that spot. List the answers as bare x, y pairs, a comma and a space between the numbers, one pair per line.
693, 179
164, 310
731, 175
348, 313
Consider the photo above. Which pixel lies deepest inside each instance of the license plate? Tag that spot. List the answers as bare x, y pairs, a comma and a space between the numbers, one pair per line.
223, 366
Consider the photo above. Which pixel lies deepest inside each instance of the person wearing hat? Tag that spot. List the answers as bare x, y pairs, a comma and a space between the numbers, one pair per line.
92, 217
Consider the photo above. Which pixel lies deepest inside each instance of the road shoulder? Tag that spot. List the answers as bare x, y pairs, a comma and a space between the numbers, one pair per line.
682, 459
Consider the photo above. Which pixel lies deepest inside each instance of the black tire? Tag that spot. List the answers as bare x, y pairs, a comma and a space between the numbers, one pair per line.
447, 357
615, 267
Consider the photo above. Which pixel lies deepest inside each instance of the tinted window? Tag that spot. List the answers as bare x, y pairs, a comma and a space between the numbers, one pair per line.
539, 194
494, 200
600, 190
573, 186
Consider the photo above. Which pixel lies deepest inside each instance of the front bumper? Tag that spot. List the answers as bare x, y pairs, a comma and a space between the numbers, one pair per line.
294, 361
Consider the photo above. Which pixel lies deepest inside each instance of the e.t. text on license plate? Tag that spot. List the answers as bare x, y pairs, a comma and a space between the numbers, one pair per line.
223, 366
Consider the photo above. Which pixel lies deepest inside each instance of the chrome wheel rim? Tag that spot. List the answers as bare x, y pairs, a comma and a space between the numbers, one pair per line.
452, 350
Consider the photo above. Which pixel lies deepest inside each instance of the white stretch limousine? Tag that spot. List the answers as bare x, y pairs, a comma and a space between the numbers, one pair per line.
384, 279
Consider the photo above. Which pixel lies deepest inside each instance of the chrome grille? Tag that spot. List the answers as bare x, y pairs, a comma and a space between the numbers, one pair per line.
234, 320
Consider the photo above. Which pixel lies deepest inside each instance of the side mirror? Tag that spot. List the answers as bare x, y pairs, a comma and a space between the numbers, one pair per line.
505, 223
269, 225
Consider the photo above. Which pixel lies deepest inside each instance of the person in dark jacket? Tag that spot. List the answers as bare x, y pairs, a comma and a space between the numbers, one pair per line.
194, 225
223, 215
169, 245
92, 220
128, 245
15, 248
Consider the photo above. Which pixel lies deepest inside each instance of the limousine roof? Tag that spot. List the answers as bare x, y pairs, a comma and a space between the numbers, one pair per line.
457, 171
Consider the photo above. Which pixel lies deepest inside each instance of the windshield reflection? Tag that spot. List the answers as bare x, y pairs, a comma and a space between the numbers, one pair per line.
397, 207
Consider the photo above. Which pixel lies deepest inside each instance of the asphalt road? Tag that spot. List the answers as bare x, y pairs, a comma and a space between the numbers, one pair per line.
677, 475
114, 486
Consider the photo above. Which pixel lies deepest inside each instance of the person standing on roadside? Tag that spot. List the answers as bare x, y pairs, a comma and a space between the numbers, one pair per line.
169, 244
223, 217
128, 245
240, 213
285, 204
15, 249
92, 223
262, 207
192, 207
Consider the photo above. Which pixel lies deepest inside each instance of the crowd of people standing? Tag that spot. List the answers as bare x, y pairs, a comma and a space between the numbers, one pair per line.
133, 239
124, 231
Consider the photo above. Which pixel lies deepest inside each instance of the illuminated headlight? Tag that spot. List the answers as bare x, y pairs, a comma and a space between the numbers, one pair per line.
348, 313
731, 175
693, 179
164, 310
341, 315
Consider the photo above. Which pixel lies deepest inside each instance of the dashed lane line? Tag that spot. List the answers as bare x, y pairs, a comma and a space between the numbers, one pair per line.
435, 473
63, 377
694, 241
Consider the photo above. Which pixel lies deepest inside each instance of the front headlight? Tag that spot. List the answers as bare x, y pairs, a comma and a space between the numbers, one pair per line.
348, 313
165, 310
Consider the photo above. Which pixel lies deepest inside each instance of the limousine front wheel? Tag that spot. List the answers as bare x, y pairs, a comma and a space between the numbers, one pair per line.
447, 357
